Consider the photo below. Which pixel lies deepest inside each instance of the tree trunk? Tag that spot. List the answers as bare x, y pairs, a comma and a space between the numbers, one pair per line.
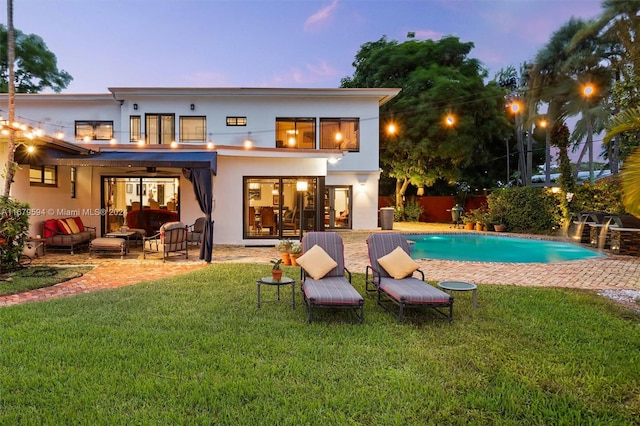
401, 188
11, 167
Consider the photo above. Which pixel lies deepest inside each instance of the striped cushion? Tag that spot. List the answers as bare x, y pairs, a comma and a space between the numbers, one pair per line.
381, 244
331, 243
413, 290
331, 291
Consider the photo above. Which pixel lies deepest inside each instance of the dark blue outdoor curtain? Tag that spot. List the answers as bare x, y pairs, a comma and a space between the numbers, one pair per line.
203, 189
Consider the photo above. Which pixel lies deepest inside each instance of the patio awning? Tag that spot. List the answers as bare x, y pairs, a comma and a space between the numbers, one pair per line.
173, 159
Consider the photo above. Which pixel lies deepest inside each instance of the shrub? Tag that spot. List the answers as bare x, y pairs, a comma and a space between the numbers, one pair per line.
410, 213
526, 209
604, 196
14, 231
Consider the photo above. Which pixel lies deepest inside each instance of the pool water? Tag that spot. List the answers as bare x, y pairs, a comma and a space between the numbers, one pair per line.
488, 248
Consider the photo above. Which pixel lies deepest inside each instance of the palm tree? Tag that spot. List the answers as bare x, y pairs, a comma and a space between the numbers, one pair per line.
11, 165
617, 30
626, 122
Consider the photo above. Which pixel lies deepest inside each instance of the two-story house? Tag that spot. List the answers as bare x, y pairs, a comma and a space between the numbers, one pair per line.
282, 161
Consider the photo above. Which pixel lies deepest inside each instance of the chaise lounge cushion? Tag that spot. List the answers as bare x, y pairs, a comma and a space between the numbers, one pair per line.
413, 291
331, 291
316, 262
398, 264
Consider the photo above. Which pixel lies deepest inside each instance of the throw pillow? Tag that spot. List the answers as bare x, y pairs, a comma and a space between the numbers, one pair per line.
72, 225
316, 262
50, 228
398, 264
79, 223
63, 227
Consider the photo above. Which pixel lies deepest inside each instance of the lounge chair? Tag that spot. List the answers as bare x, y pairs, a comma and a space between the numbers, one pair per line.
395, 283
172, 238
196, 231
324, 285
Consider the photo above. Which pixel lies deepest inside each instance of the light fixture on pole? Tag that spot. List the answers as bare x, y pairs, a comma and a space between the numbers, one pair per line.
588, 90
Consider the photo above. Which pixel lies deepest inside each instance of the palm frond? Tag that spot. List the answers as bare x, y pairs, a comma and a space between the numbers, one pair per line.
631, 183
626, 121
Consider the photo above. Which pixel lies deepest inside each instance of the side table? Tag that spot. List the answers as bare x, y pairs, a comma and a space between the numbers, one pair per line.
282, 281
461, 286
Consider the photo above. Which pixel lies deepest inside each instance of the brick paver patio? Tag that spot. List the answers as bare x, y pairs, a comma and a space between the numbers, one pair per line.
612, 272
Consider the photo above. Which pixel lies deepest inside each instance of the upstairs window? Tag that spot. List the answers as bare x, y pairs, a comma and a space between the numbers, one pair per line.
193, 129
340, 133
43, 176
94, 130
296, 133
135, 128
236, 121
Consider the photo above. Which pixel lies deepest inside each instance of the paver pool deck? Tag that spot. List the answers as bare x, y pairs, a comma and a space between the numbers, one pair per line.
610, 272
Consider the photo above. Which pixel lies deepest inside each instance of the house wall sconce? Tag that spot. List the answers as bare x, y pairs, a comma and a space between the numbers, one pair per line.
135, 107
192, 107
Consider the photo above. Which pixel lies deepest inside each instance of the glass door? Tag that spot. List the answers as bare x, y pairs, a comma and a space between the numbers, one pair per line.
337, 207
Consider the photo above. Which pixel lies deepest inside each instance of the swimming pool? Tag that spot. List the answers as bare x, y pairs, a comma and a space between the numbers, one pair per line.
489, 248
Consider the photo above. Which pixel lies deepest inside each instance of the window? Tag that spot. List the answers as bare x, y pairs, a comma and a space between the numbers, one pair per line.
193, 129
236, 121
297, 133
160, 128
94, 130
340, 133
43, 176
135, 128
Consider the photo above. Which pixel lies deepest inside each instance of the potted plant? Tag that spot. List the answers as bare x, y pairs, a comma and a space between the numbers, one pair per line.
276, 271
284, 247
296, 251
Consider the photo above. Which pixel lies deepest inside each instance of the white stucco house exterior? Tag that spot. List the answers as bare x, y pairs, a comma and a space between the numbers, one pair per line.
282, 161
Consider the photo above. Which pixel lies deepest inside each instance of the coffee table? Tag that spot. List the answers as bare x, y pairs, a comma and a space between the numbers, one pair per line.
282, 281
461, 286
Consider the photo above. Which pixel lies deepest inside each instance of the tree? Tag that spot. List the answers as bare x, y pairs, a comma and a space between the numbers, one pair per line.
628, 121
559, 69
437, 78
29, 67
36, 67
616, 30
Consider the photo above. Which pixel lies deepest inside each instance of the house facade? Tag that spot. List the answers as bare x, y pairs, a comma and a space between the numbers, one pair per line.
282, 161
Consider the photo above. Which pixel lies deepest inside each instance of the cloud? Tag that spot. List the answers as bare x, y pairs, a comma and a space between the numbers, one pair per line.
320, 16
311, 74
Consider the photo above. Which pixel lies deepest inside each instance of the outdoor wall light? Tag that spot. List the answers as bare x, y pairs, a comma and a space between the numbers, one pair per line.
135, 106
192, 106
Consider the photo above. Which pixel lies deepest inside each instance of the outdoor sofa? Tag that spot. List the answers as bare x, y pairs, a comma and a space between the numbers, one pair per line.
68, 233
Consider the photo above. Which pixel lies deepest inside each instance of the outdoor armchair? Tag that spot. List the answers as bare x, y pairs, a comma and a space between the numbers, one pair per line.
172, 238
196, 231
391, 275
326, 283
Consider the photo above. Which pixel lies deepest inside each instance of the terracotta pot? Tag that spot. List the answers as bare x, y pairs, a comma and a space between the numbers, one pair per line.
293, 258
478, 226
286, 258
500, 227
469, 226
276, 274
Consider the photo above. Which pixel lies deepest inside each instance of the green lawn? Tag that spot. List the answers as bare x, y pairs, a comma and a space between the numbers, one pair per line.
37, 277
195, 350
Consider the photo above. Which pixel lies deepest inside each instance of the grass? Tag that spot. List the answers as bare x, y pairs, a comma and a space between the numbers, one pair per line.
37, 277
195, 350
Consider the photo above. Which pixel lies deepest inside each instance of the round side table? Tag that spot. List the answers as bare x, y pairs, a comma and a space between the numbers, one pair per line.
282, 281
461, 286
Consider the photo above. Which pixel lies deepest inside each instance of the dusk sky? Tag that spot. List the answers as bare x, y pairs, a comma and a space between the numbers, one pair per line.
267, 43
